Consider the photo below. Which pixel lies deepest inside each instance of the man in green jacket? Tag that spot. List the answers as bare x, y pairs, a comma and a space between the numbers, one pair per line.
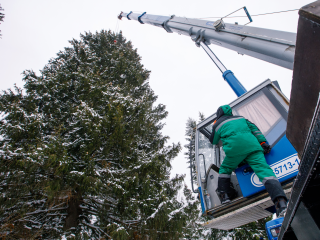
243, 141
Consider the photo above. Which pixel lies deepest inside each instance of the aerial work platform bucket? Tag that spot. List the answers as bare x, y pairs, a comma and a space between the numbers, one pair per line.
267, 107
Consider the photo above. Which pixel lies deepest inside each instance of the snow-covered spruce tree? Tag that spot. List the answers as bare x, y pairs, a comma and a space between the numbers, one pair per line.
190, 134
253, 230
1, 16
194, 229
81, 150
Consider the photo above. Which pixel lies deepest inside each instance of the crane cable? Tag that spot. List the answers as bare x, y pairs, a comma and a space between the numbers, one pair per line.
117, 27
253, 15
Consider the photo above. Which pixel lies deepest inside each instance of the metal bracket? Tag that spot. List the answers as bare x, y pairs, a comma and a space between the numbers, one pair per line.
165, 24
120, 16
128, 15
219, 24
199, 37
139, 18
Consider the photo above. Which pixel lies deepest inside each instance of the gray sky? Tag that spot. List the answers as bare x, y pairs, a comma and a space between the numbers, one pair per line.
182, 75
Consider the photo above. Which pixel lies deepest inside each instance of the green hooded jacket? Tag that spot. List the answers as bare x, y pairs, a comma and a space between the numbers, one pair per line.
239, 136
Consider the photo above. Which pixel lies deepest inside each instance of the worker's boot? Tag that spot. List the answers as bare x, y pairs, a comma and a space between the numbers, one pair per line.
223, 196
281, 206
277, 195
223, 189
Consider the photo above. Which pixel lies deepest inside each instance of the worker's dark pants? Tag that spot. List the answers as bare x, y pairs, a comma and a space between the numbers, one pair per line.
259, 165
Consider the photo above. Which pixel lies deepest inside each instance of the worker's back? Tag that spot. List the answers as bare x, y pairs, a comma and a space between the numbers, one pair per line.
236, 133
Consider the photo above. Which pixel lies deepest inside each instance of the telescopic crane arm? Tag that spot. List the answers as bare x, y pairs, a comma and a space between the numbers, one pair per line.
272, 46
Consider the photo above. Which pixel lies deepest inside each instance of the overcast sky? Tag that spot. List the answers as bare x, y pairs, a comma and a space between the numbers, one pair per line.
182, 75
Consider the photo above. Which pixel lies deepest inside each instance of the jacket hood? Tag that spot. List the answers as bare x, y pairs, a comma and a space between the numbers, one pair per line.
224, 110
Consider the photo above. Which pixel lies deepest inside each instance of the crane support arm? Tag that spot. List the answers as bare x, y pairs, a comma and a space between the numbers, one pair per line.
277, 47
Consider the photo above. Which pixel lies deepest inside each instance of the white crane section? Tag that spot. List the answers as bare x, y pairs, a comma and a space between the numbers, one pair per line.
277, 47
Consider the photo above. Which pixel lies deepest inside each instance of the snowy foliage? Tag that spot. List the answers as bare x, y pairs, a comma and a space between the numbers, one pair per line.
1, 16
82, 153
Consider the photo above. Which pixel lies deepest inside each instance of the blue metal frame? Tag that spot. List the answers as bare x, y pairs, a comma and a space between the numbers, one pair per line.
139, 18
245, 9
202, 201
128, 15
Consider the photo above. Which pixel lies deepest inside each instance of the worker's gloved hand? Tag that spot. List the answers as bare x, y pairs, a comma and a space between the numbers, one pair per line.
266, 147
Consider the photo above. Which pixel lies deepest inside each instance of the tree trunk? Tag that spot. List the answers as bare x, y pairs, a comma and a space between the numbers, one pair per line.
74, 212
